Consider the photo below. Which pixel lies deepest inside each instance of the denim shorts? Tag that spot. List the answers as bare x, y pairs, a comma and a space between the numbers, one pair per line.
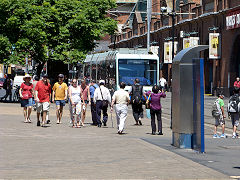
60, 102
26, 102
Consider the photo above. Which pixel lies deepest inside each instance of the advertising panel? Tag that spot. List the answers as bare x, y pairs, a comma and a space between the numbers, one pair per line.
1, 70
154, 49
186, 43
214, 46
168, 51
190, 42
194, 41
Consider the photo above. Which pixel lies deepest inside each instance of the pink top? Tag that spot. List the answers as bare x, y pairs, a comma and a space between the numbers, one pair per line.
84, 92
26, 90
237, 84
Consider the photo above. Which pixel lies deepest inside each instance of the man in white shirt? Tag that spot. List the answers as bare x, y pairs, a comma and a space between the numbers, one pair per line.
122, 99
163, 83
102, 98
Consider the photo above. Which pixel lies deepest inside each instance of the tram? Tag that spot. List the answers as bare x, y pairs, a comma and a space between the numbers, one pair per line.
123, 65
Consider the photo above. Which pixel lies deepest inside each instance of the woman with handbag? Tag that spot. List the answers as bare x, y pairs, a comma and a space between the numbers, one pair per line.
26, 94
75, 98
156, 108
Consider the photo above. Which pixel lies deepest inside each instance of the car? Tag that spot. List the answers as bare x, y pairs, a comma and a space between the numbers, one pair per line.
1, 82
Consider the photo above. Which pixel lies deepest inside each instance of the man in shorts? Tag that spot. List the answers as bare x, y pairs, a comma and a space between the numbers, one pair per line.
220, 119
233, 111
42, 97
59, 96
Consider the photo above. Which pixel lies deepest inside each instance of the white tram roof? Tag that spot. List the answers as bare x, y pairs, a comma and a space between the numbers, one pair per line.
121, 53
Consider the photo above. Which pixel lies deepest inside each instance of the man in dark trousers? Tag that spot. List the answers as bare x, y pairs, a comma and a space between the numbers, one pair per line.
102, 98
136, 99
92, 88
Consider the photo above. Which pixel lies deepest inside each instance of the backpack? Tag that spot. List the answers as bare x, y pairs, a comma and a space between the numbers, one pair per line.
137, 94
233, 104
215, 109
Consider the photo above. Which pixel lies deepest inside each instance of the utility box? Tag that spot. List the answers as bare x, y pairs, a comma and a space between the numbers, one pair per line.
188, 99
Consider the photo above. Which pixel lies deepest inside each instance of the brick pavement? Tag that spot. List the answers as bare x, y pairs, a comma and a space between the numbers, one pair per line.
61, 152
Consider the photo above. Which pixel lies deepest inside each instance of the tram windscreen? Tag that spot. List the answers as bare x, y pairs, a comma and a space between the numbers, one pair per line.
143, 69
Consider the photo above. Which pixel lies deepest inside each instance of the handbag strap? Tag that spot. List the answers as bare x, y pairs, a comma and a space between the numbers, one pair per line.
148, 97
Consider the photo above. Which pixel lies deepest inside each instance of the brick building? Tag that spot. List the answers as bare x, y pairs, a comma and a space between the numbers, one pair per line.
221, 17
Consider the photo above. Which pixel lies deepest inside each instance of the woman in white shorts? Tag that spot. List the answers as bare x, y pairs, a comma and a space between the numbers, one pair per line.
75, 98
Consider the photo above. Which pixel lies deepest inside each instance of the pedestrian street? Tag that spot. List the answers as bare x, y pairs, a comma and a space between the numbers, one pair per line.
59, 151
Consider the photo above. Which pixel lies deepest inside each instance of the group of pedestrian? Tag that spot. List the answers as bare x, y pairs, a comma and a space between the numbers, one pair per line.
97, 97
233, 110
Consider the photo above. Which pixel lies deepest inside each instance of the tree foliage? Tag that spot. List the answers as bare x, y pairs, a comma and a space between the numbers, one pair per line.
52, 29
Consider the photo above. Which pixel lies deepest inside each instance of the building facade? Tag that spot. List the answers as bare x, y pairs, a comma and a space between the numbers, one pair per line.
206, 22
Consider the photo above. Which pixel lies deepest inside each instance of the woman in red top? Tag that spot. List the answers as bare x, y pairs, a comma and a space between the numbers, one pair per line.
26, 94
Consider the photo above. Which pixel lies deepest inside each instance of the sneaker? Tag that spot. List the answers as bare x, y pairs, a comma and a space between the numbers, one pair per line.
223, 136
234, 137
216, 136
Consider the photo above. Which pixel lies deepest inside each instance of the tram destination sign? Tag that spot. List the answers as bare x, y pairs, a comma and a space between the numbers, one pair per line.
233, 20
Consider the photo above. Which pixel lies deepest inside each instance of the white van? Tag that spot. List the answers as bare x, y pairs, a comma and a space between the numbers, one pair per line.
18, 80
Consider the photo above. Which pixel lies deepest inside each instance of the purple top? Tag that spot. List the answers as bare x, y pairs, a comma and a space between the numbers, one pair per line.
155, 100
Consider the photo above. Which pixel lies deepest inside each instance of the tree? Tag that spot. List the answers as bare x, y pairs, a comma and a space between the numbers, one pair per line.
52, 29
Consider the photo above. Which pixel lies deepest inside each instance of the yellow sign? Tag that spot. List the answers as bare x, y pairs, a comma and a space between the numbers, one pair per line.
186, 43
9, 70
214, 46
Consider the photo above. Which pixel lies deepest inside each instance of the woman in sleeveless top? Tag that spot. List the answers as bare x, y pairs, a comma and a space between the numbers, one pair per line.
86, 99
75, 97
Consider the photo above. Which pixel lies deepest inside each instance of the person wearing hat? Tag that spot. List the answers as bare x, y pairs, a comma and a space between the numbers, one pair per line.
59, 96
42, 99
26, 95
102, 98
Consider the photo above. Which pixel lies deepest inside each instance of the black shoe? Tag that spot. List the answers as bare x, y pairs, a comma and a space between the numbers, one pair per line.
38, 123
140, 122
99, 125
104, 124
48, 121
153, 133
160, 133
120, 132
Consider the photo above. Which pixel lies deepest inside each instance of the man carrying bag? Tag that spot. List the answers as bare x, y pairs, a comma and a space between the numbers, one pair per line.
102, 98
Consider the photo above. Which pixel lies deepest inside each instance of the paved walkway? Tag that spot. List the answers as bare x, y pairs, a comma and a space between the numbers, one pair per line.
62, 152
